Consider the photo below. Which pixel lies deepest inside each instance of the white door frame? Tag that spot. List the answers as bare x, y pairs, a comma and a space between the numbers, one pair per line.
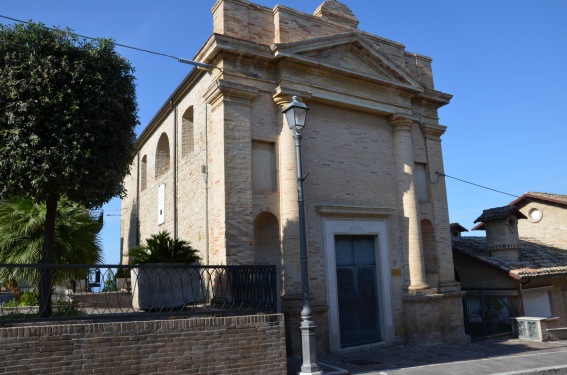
378, 229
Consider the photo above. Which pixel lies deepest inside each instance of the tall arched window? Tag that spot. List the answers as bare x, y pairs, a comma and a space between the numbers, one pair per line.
144, 172
187, 132
162, 155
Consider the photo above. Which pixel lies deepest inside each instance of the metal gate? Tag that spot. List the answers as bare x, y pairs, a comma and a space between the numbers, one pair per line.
488, 312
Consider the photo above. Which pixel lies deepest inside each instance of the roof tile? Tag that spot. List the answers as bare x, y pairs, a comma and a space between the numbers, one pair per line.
535, 258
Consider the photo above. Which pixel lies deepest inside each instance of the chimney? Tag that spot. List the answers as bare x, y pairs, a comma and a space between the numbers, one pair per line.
457, 229
501, 225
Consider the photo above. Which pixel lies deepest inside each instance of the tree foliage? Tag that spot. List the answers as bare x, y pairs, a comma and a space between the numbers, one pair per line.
22, 221
67, 115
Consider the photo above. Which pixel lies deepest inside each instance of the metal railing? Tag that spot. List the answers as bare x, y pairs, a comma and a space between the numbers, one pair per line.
157, 291
488, 312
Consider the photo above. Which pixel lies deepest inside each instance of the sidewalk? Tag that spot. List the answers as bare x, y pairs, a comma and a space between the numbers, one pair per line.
491, 356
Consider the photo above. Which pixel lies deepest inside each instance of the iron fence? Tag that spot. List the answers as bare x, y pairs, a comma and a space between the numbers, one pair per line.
96, 292
488, 312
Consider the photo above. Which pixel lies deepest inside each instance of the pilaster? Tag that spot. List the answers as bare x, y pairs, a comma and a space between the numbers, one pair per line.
447, 283
289, 214
230, 175
410, 230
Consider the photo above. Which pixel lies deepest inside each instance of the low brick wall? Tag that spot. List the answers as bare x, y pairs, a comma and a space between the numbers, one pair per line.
231, 345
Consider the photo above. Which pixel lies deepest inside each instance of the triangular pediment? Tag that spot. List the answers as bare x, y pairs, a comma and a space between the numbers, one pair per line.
351, 53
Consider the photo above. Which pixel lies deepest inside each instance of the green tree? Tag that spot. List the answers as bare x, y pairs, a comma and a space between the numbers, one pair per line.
77, 239
67, 117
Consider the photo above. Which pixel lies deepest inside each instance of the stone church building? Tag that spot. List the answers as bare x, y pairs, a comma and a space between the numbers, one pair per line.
216, 166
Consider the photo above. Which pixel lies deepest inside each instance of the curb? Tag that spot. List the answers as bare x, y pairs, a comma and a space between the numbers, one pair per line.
552, 370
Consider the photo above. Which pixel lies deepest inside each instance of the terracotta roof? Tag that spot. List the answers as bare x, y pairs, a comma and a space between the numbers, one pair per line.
536, 259
548, 197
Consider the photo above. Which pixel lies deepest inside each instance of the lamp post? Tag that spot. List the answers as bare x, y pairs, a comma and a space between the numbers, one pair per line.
296, 112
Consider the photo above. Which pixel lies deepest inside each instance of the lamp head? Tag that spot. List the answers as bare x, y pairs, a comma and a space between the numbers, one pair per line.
296, 113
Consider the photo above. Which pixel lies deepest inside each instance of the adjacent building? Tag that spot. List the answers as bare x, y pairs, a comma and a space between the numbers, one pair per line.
519, 268
216, 166
546, 215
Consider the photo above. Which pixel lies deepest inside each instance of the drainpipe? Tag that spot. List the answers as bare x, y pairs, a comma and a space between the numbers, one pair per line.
206, 180
174, 170
137, 203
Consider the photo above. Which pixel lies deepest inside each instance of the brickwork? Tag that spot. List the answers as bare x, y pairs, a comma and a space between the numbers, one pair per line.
499, 233
355, 84
558, 299
243, 20
477, 275
551, 229
427, 321
191, 199
231, 345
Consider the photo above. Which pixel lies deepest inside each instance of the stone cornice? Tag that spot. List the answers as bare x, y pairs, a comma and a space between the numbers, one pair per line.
218, 43
222, 87
329, 209
432, 131
294, 50
436, 97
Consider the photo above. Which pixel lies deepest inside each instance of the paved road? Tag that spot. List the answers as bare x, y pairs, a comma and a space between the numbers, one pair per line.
494, 356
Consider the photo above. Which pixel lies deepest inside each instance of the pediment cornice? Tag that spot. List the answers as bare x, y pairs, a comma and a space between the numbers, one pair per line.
350, 52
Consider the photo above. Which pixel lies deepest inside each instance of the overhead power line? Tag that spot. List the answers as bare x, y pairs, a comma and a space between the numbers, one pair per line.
208, 66
472, 183
179, 59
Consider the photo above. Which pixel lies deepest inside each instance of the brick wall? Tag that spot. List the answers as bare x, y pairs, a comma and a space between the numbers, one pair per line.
434, 318
348, 147
478, 275
551, 229
557, 298
243, 345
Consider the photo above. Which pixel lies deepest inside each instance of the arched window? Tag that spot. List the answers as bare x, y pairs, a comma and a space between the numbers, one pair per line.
162, 155
144, 172
187, 132
267, 239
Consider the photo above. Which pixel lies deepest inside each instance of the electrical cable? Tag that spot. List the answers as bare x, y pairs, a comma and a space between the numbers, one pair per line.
208, 66
472, 183
179, 59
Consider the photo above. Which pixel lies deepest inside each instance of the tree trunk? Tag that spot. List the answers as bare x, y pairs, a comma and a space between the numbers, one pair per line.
46, 278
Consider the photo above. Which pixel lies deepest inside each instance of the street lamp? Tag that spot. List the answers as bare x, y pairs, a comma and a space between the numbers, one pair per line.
296, 112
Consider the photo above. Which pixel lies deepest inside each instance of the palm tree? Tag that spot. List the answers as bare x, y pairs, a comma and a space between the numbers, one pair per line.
161, 248
159, 287
21, 237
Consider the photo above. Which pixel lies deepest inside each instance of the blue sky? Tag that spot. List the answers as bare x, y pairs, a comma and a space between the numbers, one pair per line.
503, 61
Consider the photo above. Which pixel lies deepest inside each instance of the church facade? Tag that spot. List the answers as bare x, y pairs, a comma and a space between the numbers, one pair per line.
216, 166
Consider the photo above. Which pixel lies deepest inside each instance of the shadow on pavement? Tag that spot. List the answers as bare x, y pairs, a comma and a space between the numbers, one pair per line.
398, 357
